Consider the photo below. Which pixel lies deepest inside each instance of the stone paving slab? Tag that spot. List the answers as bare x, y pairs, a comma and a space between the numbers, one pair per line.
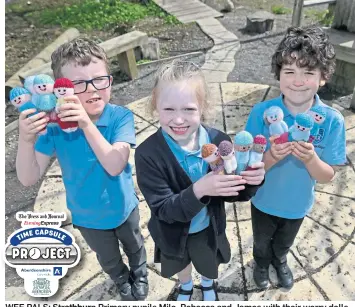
338, 277
301, 291
187, 10
335, 212
248, 94
315, 244
323, 246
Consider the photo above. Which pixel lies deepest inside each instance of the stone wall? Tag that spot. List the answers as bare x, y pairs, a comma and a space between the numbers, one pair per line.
343, 79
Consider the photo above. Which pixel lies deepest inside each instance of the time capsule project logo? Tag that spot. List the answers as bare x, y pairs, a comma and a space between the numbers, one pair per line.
41, 251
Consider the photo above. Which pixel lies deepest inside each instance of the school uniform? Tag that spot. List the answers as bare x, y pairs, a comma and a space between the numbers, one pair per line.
183, 228
280, 205
104, 208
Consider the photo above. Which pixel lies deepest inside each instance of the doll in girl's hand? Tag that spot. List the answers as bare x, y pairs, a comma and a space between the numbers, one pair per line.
211, 155
243, 142
226, 152
257, 151
319, 115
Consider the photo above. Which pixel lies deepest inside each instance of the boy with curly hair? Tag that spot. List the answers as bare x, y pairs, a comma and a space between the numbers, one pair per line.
303, 61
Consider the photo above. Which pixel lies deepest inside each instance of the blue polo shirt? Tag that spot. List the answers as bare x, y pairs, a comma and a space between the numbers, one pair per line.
288, 190
195, 167
96, 199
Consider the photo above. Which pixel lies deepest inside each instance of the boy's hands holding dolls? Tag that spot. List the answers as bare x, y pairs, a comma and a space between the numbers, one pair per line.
303, 151
73, 111
279, 151
218, 185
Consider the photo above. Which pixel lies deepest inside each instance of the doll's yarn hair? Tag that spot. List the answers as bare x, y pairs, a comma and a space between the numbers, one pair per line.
243, 138
63, 82
304, 120
225, 148
18, 91
259, 140
28, 83
43, 79
207, 150
272, 111
319, 110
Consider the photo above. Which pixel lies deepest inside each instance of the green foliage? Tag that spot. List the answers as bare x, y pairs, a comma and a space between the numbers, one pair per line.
280, 10
325, 18
143, 61
99, 14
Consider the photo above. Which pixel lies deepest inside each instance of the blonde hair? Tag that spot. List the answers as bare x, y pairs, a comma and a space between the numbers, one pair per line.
178, 71
79, 51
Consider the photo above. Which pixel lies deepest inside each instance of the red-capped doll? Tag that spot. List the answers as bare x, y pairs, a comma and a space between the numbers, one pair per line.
63, 87
257, 151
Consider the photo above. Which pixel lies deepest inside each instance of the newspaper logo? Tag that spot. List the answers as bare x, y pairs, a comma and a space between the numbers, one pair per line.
41, 255
41, 287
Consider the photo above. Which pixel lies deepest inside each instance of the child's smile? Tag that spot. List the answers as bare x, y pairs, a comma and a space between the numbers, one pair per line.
179, 130
179, 111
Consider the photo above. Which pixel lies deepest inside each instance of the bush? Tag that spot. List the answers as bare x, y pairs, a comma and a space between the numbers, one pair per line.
280, 10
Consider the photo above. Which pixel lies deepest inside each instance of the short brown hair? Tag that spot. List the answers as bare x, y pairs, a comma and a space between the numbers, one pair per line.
79, 51
313, 48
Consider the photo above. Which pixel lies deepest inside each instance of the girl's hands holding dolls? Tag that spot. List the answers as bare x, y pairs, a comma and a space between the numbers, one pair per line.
218, 185
256, 175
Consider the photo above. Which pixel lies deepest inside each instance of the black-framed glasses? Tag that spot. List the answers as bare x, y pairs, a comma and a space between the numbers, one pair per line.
99, 83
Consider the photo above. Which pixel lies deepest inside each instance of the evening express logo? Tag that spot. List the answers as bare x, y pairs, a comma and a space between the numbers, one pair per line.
41, 255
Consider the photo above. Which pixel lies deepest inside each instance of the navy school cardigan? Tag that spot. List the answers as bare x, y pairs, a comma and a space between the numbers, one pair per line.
168, 192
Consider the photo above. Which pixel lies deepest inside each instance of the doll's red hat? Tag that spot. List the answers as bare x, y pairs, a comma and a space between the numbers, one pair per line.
63, 82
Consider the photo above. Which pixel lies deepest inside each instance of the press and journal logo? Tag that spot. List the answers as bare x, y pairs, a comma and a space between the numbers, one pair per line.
41, 255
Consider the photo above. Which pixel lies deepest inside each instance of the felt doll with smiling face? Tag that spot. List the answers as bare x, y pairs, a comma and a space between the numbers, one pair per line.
301, 130
226, 152
257, 151
211, 155
319, 115
243, 142
63, 87
274, 117
21, 99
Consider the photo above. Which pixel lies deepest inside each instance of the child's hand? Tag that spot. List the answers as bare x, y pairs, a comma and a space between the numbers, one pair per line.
73, 111
218, 185
303, 151
279, 151
30, 126
255, 176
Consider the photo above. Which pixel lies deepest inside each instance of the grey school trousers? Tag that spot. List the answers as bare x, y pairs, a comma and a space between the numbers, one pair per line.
105, 243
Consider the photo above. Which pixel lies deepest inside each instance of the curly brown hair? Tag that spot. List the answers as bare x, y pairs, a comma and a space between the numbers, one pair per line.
313, 49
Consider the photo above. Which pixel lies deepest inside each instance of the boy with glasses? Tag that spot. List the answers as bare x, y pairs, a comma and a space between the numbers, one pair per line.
94, 162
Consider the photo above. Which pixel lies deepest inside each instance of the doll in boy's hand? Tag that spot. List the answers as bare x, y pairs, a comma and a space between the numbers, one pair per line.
301, 130
319, 115
44, 98
63, 87
21, 99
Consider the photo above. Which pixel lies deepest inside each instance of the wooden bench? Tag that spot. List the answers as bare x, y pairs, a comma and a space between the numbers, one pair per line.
121, 46
317, 2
